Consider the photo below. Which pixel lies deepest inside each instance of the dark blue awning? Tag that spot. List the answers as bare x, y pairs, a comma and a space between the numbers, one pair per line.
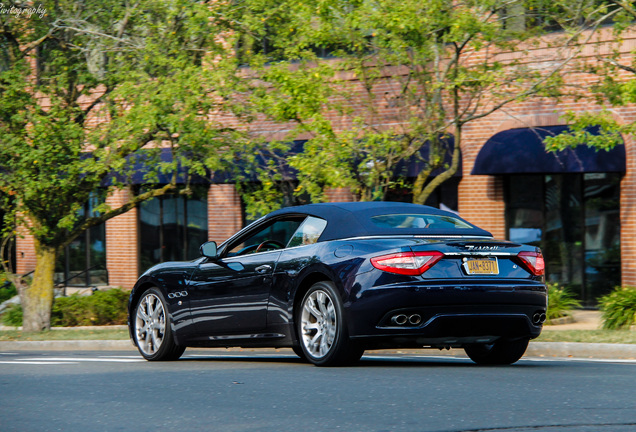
409, 168
139, 165
247, 172
521, 151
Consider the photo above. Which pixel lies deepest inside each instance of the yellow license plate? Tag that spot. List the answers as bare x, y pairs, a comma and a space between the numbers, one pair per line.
482, 266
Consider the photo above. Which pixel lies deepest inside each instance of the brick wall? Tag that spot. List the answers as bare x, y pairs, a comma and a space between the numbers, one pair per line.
122, 245
628, 216
225, 215
339, 195
25, 252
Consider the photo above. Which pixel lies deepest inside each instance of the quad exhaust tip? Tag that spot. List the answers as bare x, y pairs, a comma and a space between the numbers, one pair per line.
539, 318
400, 319
403, 319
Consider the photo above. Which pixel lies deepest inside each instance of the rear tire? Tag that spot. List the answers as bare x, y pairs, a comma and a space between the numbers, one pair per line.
322, 329
499, 353
152, 331
300, 353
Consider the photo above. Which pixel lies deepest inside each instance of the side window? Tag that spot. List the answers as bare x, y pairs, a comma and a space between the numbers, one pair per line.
274, 235
308, 232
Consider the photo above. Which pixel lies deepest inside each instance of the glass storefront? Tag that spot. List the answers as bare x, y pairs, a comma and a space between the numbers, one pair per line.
172, 227
83, 262
575, 219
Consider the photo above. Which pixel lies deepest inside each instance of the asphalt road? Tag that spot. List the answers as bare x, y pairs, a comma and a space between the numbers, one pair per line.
218, 391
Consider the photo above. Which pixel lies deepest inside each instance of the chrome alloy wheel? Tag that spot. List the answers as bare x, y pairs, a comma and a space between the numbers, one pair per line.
319, 323
150, 324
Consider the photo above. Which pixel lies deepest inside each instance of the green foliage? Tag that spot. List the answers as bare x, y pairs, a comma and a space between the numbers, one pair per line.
111, 78
406, 75
560, 301
88, 92
609, 135
100, 308
13, 316
7, 290
611, 87
619, 308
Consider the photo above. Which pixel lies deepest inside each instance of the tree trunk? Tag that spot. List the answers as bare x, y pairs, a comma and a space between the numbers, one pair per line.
37, 299
421, 192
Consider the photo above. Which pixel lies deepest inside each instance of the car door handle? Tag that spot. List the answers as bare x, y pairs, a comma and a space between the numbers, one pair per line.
264, 268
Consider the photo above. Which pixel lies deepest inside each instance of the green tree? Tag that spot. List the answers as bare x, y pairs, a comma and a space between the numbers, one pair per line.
614, 87
399, 75
88, 91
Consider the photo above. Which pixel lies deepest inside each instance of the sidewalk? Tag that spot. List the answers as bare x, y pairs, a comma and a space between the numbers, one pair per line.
583, 320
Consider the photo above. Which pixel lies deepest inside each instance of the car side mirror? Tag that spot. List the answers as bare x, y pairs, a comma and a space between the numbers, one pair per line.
208, 250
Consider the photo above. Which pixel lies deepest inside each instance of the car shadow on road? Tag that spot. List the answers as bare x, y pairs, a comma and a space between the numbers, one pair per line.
370, 361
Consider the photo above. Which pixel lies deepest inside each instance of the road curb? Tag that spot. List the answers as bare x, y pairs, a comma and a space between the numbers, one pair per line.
535, 349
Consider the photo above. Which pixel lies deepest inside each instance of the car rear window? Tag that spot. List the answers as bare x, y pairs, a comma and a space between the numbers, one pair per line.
420, 221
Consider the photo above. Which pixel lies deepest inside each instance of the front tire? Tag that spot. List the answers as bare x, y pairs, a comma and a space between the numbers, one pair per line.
499, 353
153, 335
322, 329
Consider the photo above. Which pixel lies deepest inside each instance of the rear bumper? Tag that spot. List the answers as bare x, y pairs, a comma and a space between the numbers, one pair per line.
446, 313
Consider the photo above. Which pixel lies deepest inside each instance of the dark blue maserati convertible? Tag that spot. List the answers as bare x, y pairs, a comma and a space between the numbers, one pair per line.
332, 280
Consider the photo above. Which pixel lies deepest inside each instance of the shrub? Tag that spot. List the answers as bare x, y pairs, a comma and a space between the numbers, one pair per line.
561, 301
12, 316
619, 308
101, 308
7, 290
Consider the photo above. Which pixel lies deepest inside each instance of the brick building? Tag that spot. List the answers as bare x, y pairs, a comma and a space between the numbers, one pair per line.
581, 213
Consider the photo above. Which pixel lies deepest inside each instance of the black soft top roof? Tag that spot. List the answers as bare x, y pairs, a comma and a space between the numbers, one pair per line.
353, 219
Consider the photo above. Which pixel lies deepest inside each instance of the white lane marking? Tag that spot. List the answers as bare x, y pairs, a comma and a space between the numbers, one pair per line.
35, 362
136, 357
1, 353
70, 360
85, 359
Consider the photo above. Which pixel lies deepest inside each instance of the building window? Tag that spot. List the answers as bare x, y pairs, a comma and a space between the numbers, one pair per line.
575, 219
172, 227
83, 262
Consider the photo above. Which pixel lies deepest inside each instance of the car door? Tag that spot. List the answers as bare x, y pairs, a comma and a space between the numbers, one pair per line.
229, 295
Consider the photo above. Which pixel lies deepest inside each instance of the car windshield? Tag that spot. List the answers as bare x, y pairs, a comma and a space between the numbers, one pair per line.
419, 221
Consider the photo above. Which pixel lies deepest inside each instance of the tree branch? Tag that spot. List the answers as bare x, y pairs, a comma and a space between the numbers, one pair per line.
94, 221
81, 117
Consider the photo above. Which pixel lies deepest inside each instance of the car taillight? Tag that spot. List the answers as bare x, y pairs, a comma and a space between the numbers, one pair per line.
407, 263
533, 262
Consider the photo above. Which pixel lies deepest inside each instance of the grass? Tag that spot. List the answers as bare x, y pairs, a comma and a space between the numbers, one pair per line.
97, 334
589, 336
